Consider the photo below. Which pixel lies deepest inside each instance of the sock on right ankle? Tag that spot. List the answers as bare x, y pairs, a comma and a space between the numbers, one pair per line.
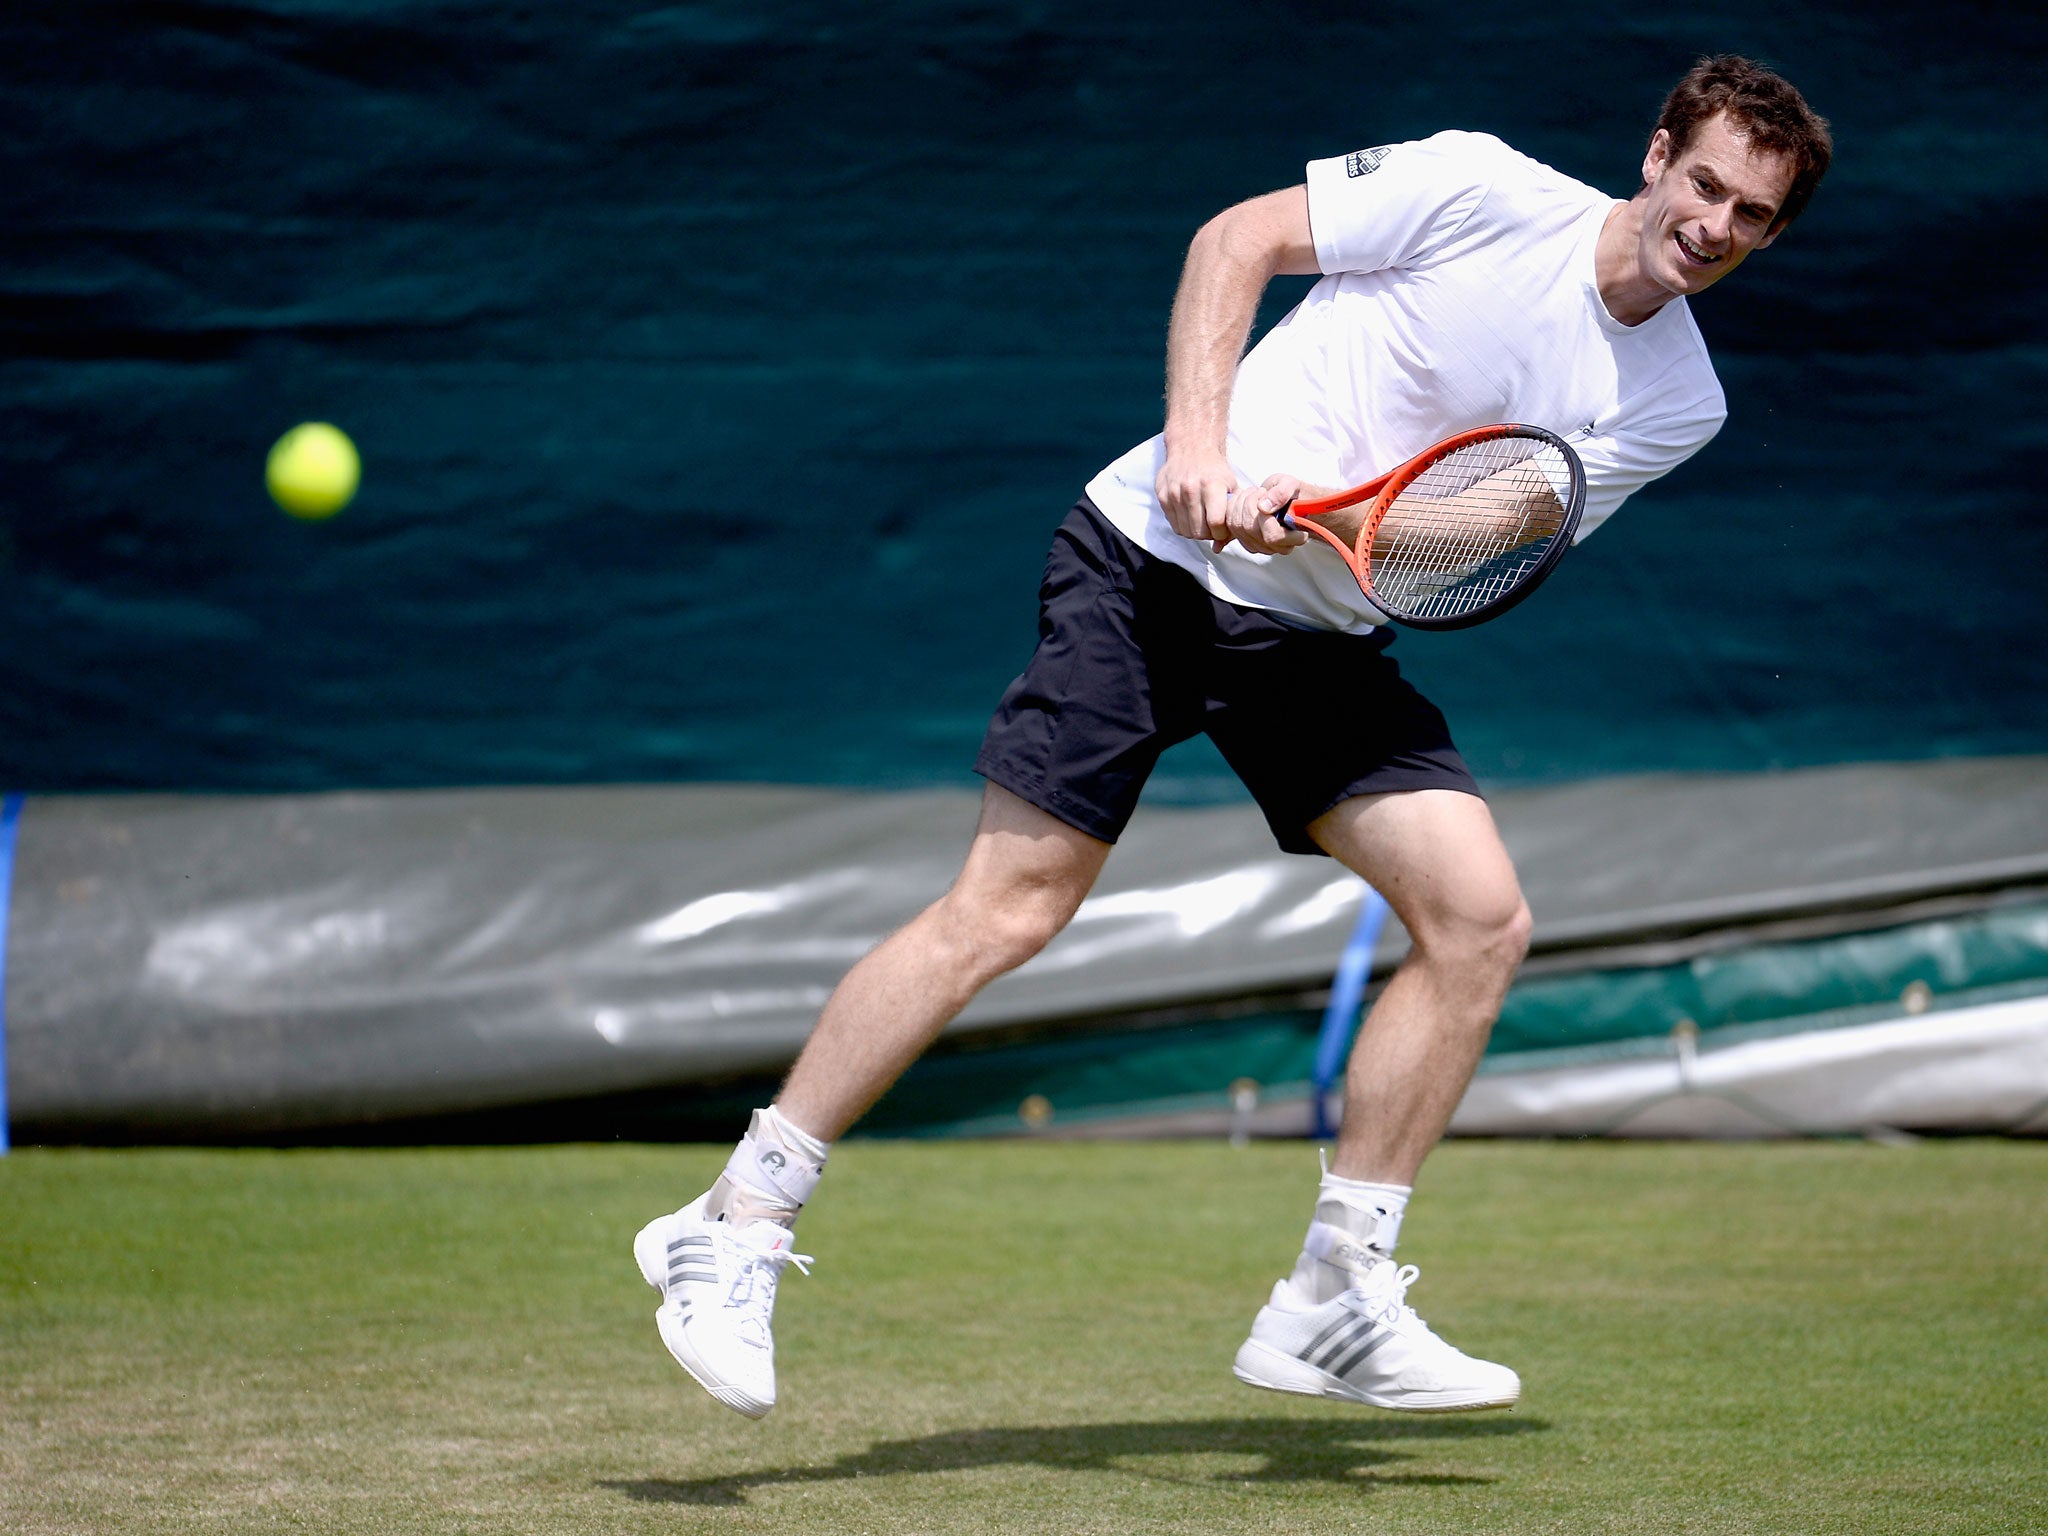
771, 1173
794, 1137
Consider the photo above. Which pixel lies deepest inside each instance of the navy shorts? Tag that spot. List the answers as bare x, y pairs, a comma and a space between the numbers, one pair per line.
1134, 654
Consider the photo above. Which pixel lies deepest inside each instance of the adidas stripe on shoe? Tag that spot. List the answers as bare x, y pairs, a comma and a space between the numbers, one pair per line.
1368, 1346
717, 1284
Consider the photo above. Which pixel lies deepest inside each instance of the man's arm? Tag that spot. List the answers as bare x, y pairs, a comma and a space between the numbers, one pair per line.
1490, 516
1232, 259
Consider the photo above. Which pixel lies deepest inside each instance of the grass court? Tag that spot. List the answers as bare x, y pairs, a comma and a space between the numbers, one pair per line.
1023, 1337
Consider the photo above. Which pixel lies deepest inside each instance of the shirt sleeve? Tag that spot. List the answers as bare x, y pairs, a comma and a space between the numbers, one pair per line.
1395, 205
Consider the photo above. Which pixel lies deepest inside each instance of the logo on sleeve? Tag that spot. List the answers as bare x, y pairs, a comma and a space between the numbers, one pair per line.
1364, 162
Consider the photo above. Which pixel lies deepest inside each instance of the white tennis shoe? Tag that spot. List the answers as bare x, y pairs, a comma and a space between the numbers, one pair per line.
717, 1284
1367, 1346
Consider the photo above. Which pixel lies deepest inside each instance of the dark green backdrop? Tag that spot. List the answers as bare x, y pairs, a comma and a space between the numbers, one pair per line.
721, 369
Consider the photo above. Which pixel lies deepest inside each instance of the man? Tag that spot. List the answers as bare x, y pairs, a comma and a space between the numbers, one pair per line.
1463, 284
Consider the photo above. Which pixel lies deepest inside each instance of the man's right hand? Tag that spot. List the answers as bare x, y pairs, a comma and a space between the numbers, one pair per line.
1194, 493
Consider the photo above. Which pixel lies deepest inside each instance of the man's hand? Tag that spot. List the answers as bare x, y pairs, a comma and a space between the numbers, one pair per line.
1253, 515
1194, 493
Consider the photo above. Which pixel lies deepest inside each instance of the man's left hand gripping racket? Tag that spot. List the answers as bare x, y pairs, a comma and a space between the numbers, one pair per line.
1460, 533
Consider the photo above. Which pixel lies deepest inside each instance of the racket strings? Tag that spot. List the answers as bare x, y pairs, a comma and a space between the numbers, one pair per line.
1468, 529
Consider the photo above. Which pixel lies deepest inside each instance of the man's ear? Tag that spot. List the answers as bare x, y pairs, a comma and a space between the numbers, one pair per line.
1767, 239
1657, 156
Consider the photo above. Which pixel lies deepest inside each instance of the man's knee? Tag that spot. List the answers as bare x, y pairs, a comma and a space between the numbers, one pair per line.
997, 928
1025, 876
1487, 929
1511, 938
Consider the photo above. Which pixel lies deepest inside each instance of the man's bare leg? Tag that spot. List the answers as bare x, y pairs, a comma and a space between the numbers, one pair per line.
1339, 1325
1025, 875
717, 1261
1438, 860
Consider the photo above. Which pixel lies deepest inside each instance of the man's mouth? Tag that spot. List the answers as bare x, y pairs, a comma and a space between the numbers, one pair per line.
1694, 252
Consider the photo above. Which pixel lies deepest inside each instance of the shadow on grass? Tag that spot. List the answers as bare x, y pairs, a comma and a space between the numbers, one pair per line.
1294, 1450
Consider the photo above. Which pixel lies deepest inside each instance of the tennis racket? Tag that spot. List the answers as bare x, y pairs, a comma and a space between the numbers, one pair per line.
1460, 533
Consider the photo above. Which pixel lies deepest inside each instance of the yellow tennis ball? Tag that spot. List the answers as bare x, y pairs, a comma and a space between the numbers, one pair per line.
313, 471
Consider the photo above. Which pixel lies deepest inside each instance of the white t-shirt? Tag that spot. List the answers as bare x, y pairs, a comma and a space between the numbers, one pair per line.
1460, 292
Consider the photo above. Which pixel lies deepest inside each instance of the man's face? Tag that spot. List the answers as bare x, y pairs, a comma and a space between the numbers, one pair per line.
1709, 205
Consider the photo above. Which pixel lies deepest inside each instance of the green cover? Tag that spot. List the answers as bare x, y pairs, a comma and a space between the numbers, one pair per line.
1763, 989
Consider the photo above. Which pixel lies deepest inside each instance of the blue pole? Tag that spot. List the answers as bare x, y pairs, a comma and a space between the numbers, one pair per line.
1340, 1019
10, 818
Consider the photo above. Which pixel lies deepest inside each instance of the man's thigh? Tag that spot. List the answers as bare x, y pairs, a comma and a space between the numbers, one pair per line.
1022, 854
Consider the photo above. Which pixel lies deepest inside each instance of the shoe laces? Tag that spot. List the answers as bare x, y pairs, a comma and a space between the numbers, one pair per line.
758, 1268
1384, 1297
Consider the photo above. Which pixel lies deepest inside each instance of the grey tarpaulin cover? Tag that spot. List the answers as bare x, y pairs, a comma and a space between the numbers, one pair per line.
222, 964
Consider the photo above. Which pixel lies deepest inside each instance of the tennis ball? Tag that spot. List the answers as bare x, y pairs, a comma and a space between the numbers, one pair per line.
313, 471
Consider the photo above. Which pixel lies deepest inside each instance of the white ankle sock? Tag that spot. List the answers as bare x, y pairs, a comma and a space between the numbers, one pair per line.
1366, 1213
795, 1137
771, 1173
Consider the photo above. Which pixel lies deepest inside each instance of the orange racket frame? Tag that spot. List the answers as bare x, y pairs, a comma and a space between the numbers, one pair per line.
1385, 490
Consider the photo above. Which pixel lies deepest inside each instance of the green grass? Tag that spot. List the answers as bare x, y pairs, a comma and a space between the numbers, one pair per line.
1804, 1338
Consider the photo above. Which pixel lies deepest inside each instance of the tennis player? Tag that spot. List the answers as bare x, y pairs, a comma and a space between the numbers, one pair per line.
1462, 284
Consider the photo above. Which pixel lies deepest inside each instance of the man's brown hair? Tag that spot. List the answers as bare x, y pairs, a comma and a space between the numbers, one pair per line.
1765, 108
